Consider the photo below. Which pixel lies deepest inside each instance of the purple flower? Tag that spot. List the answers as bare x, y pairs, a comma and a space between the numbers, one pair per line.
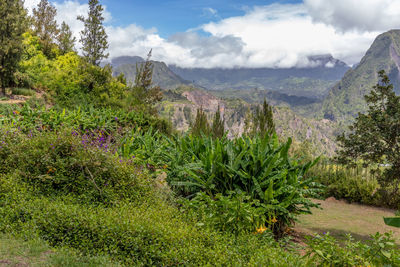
116, 118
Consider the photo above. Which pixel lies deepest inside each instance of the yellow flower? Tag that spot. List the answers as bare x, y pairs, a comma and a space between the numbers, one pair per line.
261, 229
274, 220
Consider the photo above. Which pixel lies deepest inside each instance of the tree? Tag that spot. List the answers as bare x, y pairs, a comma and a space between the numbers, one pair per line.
45, 26
218, 128
375, 136
94, 36
261, 121
12, 26
66, 42
200, 125
145, 94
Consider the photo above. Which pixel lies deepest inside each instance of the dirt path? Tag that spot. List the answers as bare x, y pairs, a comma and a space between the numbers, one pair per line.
340, 218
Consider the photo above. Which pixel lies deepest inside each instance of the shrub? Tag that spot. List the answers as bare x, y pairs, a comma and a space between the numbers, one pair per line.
354, 184
235, 213
62, 164
259, 167
379, 251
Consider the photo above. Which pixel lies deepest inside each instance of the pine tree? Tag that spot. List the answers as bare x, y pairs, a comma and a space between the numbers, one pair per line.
218, 128
66, 42
45, 26
262, 121
94, 36
200, 125
145, 93
12, 26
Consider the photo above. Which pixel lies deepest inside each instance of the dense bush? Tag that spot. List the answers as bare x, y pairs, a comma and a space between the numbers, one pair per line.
352, 183
69, 79
63, 163
259, 167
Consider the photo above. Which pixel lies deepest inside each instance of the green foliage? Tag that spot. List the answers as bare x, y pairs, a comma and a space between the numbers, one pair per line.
392, 221
109, 120
94, 36
235, 213
260, 167
354, 184
65, 39
146, 148
13, 25
374, 137
200, 125
144, 95
68, 166
346, 99
261, 121
45, 27
64, 207
217, 127
36, 252
70, 80
379, 251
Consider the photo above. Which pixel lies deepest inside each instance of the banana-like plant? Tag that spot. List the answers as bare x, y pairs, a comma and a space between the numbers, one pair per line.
259, 166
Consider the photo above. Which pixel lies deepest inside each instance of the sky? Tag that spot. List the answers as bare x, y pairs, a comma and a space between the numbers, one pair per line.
238, 33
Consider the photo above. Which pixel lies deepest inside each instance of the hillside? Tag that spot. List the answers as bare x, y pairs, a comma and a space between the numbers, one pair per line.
182, 110
312, 82
346, 98
162, 75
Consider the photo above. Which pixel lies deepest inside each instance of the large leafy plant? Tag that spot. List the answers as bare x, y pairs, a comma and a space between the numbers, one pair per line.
258, 166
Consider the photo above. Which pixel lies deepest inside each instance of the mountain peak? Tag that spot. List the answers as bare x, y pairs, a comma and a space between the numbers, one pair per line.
346, 98
325, 60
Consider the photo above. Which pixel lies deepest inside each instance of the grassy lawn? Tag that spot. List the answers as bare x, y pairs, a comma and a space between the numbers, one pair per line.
340, 218
15, 252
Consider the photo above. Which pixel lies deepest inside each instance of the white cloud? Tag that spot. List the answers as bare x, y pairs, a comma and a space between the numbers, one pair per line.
285, 35
30, 4
277, 35
360, 15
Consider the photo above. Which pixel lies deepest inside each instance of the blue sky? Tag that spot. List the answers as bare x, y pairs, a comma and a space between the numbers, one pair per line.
238, 33
171, 16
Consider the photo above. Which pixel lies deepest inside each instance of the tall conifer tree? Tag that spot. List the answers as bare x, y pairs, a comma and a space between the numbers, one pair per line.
12, 26
66, 41
94, 36
200, 125
45, 26
218, 128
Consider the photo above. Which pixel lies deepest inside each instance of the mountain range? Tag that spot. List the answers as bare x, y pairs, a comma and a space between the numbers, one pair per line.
290, 86
330, 94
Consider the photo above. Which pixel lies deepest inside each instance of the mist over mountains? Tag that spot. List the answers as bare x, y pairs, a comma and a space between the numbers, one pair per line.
311, 82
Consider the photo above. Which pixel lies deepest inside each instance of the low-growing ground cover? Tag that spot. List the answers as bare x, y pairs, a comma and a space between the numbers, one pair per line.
36, 253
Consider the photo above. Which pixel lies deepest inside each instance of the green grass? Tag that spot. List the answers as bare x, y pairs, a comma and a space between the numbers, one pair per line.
339, 218
16, 252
